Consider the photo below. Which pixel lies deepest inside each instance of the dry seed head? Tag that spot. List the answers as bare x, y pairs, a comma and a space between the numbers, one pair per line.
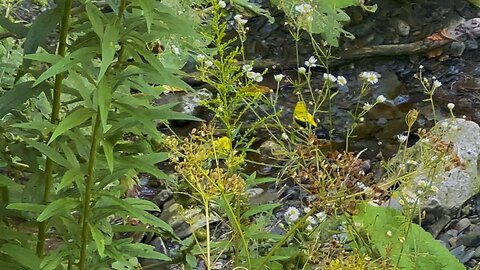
411, 117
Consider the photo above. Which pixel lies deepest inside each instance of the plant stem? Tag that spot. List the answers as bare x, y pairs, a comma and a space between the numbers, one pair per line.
284, 239
57, 93
88, 192
238, 226
433, 110
207, 227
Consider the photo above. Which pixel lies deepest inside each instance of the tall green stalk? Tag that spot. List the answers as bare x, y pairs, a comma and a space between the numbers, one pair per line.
57, 93
89, 182
88, 192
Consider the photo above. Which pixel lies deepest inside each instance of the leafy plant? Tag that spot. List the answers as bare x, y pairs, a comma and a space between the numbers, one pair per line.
85, 156
385, 232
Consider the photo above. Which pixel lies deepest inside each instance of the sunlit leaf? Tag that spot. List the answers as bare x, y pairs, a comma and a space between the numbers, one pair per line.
260, 209
49, 152
99, 239
108, 151
104, 94
74, 119
109, 41
418, 250
475, 2
31, 207
142, 215
148, 8
144, 251
301, 114
69, 177
67, 62
254, 8
58, 207
96, 17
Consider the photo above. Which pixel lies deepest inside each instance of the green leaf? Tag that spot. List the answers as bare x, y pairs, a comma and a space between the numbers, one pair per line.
147, 7
23, 256
142, 204
67, 62
9, 183
475, 2
419, 250
17, 96
144, 251
109, 41
96, 18
99, 239
254, 8
69, 154
17, 236
42, 126
108, 151
142, 215
43, 25
48, 151
163, 113
18, 29
53, 259
260, 209
74, 119
58, 207
31, 207
104, 94
83, 86
69, 177
44, 57
146, 163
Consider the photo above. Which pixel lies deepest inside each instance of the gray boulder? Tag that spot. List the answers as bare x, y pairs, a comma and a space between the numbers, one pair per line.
449, 181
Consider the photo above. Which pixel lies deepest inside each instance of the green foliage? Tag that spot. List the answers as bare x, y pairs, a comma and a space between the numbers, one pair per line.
386, 233
79, 126
56, 140
319, 17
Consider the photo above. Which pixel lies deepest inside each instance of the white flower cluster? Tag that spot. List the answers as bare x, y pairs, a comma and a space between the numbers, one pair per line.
331, 78
222, 4
239, 19
278, 77
311, 62
293, 214
369, 76
304, 8
252, 74
175, 49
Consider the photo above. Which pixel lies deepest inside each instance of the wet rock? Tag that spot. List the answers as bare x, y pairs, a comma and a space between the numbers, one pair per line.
467, 255
162, 197
458, 251
259, 196
436, 227
470, 239
457, 48
401, 27
477, 253
471, 44
462, 224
